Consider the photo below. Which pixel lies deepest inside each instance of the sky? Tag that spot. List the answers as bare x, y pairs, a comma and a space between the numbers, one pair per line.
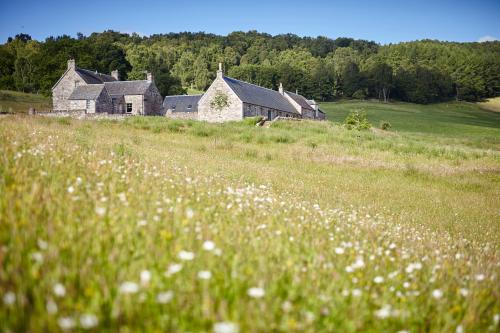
383, 21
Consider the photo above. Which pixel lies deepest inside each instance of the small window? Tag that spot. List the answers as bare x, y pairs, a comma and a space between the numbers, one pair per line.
77, 83
189, 107
129, 107
173, 107
88, 104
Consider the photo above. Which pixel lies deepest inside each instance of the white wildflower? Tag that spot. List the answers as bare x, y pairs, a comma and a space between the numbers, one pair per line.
208, 245
51, 307
129, 287
204, 275
189, 213
356, 292
185, 255
286, 306
339, 250
145, 277
173, 268
479, 277
437, 293
378, 279
464, 292
100, 211
9, 298
37, 256
71, 189
66, 323
459, 329
59, 290
256, 292
383, 312
42, 244
142, 223
165, 297
226, 327
88, 320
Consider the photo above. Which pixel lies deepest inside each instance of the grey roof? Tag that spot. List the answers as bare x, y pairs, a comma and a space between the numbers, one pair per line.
120, 88
91, 77
253, 94
181, 102
301, 100
91, 91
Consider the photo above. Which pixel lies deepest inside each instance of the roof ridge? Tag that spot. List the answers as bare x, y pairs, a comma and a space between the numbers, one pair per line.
118, 81
93, 72
253, 84
184, 95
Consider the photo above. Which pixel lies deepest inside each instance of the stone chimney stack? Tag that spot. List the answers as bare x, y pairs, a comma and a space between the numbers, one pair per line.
115, 75
71, 64
281, 88
220, 72
149, 77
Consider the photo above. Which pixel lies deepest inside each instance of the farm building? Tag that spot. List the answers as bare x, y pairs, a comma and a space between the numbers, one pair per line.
80, 89
229, 99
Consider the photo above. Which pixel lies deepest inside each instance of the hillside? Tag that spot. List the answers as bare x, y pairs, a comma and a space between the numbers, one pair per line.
18, 102
152, 224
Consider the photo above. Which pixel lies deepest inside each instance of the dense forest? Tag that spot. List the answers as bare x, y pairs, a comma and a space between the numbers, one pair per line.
321, 68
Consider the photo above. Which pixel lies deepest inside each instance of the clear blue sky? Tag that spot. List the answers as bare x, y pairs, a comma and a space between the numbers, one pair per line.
382, 21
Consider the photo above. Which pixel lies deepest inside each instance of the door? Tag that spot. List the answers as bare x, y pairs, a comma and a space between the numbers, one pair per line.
269, 114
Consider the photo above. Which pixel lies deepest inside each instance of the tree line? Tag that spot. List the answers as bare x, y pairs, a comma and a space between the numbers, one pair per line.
325, 69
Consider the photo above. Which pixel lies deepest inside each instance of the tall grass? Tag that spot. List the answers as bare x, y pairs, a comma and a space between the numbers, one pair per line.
153, 224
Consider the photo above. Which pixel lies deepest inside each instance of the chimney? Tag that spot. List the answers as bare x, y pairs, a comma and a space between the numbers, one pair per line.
149, 76
281, 88
115, 75
296, 91
220, 72
71, 64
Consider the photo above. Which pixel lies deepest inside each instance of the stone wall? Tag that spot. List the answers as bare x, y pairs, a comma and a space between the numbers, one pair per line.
232, 112
251, 110
137, 104
154, 102
64, 88
181, 115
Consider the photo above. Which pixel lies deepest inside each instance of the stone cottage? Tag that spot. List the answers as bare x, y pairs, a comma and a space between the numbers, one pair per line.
228, 99
181, 106
87, 91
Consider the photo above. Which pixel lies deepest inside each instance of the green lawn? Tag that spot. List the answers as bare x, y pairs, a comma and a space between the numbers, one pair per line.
154, 224
445, 119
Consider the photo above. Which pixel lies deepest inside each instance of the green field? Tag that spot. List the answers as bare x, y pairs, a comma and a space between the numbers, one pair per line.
151, 224
18, 102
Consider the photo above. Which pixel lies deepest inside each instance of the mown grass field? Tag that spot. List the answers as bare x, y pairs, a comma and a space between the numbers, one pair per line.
152, 224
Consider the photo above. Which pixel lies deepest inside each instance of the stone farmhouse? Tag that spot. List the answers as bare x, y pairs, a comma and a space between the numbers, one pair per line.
228, 99
91, 92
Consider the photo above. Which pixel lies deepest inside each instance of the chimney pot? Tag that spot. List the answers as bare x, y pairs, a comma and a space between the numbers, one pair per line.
220, 72
116, 75
71, 64
281, 88
149, 76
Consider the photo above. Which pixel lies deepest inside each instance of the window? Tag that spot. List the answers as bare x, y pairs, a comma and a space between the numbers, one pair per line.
173, 107
189, 107
129, 107
77, 83
88, 104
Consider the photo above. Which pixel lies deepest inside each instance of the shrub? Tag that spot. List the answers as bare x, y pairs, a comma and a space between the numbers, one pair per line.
359, 94
252, 121
357, 120
385, 125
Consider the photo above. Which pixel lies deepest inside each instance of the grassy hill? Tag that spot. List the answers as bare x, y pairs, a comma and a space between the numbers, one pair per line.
18, 102
153, 224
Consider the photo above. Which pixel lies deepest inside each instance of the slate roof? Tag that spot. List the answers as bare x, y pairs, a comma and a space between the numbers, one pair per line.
253, 94
181, 103
301, 100
91, 91
91, 77
120, 88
